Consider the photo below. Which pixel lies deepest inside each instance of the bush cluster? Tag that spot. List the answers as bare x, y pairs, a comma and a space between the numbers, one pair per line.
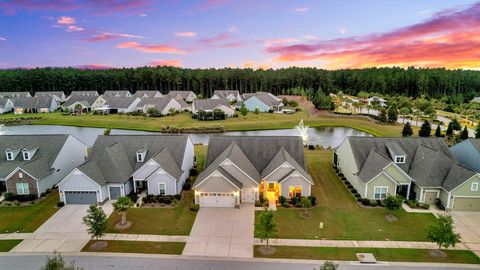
21, 198
164, 199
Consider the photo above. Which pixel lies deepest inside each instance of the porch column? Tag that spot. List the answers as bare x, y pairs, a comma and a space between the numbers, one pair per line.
134, 186
408, 190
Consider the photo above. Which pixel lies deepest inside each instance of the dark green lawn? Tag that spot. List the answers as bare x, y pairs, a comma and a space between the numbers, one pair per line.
140, 247
28, 218
381, 254
7, 245
343, 218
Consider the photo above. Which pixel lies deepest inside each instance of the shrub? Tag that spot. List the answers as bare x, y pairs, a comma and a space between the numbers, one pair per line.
25, 198
313, 200
359, 199
133, 196
365, 201
177, 197
412, 203
60, 204
48, 191
425, 205
373, 203
349, 186
194, 207
298, 204
357, 195
9, 196
439, 204
193, 172
43, 194
187, 186
165, 199
294, 200
286, 205
282, 199
380, 203
258, 203
354, 191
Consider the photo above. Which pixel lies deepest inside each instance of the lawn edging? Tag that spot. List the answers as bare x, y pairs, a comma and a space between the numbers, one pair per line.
140, 247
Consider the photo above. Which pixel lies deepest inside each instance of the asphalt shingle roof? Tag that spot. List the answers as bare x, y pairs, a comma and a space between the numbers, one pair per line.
225, 93
210, 104
33, 102
178, 94
119, 102
49, 94
116, 93
158, 103
84, 93
146, 93
14, 94
87, 101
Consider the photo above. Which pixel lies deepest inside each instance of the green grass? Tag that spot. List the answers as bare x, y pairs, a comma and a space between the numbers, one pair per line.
343, 218
381, 254
139, 247
7, 245
28, 218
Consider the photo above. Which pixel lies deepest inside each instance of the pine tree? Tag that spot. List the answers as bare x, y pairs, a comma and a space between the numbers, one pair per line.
477, 131
425, 129
392, 113
407, 130
464, 134
438, 132
449, 132
383, 116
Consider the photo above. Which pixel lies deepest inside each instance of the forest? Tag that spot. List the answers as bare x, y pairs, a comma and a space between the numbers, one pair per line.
414, 82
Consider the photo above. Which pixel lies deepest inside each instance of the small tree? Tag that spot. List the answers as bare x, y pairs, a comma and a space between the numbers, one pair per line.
404, 111
57, 263
392, 113
438, 131
266, 226
393, 203
243, 109
425, 129
464, 134
383, 116
106, 132
449, 131
78, 108
96, 221
305, 203
441, 232
456, 125
477, 131
257, 110
328, 265
407, 130
121, 205
152, 111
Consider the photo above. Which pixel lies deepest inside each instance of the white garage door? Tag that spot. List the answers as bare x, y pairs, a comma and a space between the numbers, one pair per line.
248, 195
211, 199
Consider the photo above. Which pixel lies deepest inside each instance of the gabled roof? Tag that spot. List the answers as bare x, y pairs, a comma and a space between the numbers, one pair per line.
116, 93
3, 102
475, 143
373, 165
87, 101
33, 102
179, 94
210, 104
225, 93
59, 94
457, 175
267, 98
14, 94
146, 93
281, 157
158, 103
165, 159
84, 93
120, 102
430, 167
49, 146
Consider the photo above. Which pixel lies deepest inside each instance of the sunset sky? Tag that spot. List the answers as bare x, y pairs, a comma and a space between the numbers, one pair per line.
241, 33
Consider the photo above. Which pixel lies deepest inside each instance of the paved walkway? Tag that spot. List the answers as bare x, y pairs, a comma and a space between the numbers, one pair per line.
222, 232
467, 224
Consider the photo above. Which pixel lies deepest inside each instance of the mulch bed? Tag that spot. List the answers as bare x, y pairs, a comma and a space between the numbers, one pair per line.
98, 246
121, 226
391, 218
267, 250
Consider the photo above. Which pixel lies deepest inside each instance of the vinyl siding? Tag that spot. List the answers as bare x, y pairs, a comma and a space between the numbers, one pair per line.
239, 175
146, 170
465, 188
78, 181
295, 180
397, 174
346, 163
252, 103
158, 177
381, 181
280, 172
417, 192
215, 183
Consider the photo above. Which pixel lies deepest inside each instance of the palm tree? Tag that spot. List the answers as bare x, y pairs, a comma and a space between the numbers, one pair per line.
121, 205
78, 108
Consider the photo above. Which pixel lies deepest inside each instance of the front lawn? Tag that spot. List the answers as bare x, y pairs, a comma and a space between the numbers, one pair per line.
342, 217
7, 245
139, 247
381, 254
28, 218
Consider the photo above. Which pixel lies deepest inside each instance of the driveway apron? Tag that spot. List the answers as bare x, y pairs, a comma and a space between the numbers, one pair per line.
467, 224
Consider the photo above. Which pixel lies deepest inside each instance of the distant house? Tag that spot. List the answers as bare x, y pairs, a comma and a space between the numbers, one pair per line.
476, 100
209, 105
34, 163
187, 96
148, 94
6, 105
382, 102
422, 169
120, 164
59, 96
84, 93
163, 105
34, 105
243, 169
116, 93
85, 102
14, 94
230, 95
120, 105
262, 101
468, 153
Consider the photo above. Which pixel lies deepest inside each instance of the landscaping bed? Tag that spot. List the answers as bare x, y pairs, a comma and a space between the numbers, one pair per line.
147, 247
7, 245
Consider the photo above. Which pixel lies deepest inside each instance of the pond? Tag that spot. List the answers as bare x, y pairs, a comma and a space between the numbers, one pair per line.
325, 136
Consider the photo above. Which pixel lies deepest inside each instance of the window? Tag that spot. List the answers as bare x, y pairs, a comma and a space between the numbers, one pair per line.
271, 186
399, 159
139, 157
295, 191
380, 192
20, 175
161, 189
9, 155
474, 186
22, 188
26, 155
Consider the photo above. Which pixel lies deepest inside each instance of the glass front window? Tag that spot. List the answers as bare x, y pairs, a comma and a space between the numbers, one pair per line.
161, 189
380, 193
22, 188
295, 191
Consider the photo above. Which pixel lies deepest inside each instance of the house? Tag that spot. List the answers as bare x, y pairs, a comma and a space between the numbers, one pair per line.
23, 105
382, 102
6, 105
476, 100
422, 169
59, 96
241, 169
264, 102
230, 95
120, 164
164, 106
187, 96
14, 94
148, 94
85, 102
209, 105
84, 93
116, 93
467, 153
119, 105
34, 163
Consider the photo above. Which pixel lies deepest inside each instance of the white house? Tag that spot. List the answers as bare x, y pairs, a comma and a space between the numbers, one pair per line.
209, 105
187, 96
148, 94
118, 105
262, 101
230, 95
34, 105
6, 105
59, 96
163, 105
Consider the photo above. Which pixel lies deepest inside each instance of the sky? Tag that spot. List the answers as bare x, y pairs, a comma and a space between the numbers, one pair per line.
240, 33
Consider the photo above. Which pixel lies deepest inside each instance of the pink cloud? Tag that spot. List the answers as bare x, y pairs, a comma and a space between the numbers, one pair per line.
66, 20
301, 9
110, 36
220, 37
165, 62
211, 4
3, 39
185, 34
150, 48
95, 66
74, 28
222, 40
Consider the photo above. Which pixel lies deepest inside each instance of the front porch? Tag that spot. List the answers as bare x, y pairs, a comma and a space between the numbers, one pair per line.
271, 190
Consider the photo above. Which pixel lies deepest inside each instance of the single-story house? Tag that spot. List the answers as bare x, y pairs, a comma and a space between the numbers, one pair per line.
119, 164
148, 94
187, 96
59, 96
230, 95
84, 93
422, 169
6, 105
34, 163
163, 105
119, 105
241, 169
262, 101
116, 93
382, 102
85, 102
476, 100
14, 94
467, 153
209, 105
34, 105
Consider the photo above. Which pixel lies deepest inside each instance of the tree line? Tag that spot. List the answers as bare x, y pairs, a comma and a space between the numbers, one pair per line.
432, 82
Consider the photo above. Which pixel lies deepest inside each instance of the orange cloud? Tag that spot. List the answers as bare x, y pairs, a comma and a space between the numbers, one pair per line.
186, 34
150, 48
165, 62
66, 20
248, 64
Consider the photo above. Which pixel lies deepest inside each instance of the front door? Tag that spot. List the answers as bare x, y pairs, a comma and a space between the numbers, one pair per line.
272, 191
114, 193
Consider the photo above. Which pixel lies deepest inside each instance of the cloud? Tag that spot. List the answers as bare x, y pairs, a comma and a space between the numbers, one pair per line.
104, 36
222, 40
211, 4
301, 9
424, 12
165, 62
74, 28
233, 29
95, 66
142, 15
65, 20
150, 48
248, 64
220, 37
449, 39
185, 34
3, 39
342, 30
279, 41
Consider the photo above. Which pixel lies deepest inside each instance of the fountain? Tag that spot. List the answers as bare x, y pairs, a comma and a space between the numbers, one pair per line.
303, 131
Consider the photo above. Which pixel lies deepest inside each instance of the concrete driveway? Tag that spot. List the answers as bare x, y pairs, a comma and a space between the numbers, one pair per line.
64, 231
222, 232
467, 224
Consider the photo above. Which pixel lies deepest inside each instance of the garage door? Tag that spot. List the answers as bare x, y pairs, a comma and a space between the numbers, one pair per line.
430, 197
114, 193
217, 199
80, 197
466, 204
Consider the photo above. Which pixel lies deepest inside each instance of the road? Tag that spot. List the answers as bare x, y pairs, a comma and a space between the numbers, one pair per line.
160, 262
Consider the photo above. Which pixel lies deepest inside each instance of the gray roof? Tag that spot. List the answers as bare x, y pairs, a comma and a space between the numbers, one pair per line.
182, 102
457, 175
475, 143
115, 93
33, 102
119, 102
281, 157
112, 159
395, 149
146, 93
158, 103
225, 93
267, 98
209, 104
59, 94
41, 162
373, 165
14, 94
87, 101
179, 94
3, 102
84, 93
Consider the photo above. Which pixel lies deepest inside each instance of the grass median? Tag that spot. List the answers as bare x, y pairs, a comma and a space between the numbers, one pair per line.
147, 247
7, 245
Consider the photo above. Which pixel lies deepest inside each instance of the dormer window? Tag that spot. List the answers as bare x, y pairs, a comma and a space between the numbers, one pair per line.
141, 153
9, 155
400, 159
26, 154
139, 157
